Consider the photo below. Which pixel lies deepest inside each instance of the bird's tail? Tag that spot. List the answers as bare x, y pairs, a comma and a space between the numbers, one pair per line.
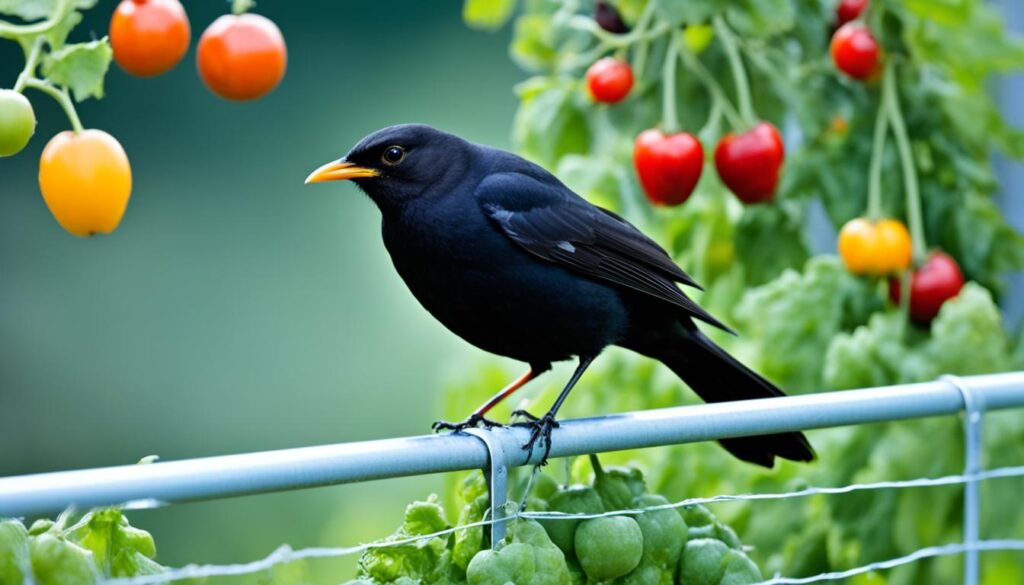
716, 376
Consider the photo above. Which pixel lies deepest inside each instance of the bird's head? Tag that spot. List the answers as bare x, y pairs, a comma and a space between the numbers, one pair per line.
397, 164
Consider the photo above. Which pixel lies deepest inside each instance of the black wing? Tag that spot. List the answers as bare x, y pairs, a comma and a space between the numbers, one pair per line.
553, 223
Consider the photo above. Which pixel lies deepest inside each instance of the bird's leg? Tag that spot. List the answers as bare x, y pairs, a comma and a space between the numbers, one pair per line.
543, 426
478, 415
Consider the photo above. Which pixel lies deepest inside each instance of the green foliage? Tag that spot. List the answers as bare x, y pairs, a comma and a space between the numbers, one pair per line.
806, 323
80, 67
99, 545
637, 549
487, 14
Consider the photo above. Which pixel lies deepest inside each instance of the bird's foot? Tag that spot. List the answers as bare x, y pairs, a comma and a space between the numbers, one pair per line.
531, 418
474, 420
541, 430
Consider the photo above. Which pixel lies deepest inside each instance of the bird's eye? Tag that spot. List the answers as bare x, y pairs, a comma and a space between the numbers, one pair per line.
393, 155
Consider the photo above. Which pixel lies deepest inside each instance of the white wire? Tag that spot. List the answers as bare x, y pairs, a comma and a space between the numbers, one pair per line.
924, 553
285, 554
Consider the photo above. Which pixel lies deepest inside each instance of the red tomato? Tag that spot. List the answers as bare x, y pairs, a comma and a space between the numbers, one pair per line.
242, 57
749, 163
855, 50
849, 10
931, 285
609, 80
149, 37
669, 166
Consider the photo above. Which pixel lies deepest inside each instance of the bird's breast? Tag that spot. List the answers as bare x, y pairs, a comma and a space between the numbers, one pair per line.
499, 297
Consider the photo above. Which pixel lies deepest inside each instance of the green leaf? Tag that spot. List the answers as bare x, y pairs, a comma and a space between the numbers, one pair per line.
487, 14
56, 561
694, 12
80, 67
968, 336
14, 552
762, 18
533, 43
549, 123
769, 239
28, 10
793, 318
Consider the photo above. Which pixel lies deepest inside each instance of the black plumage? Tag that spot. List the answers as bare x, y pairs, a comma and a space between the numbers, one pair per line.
511, 260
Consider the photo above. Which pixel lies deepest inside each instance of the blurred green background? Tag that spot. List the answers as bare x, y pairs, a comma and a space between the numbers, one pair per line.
236, 309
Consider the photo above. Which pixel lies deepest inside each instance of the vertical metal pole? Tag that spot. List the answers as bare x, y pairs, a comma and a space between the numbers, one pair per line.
496, 474
973, 407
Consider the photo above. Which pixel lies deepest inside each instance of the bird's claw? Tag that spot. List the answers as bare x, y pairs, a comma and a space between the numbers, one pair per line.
530, 418
541, 429
474, 420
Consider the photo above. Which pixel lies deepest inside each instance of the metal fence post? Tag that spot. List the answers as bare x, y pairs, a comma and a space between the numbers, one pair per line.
496, 473
974, 408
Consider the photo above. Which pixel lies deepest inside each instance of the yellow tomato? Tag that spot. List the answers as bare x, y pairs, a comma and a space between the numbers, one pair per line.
878, 248
86, 181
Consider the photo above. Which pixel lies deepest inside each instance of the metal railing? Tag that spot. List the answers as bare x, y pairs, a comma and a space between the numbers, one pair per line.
496, 450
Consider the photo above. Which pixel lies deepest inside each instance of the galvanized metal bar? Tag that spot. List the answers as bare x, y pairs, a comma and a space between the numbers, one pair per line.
496, 473
974, 407
251, 473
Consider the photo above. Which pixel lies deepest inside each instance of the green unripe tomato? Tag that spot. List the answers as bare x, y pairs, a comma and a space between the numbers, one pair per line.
573, 500
609, 547
664, 531
17, 122
14, 559
703, 562
618, 486
56, 561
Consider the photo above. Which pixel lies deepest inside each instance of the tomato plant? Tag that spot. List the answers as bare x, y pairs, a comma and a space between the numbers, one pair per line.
609, 80
242, 56
149, 37
903, 161
84, 175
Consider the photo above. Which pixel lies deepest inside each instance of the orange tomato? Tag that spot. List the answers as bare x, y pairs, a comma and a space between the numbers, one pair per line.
86, 181
878, 248
242, 57
149, 37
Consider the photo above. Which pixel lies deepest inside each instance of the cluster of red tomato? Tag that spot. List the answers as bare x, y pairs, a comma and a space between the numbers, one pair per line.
749, 163
669, 165
240, 56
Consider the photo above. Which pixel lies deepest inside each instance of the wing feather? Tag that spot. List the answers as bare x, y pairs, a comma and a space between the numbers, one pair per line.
557, 225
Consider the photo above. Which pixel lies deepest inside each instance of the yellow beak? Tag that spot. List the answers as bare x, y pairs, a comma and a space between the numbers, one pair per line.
339, 170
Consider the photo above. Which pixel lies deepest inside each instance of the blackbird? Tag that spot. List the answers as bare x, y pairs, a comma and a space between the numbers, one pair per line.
511, 260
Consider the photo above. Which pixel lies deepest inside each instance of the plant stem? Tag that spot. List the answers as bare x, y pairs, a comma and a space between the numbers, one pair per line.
241, 6
62, 97
13, 31
640, 56
709, 131
669, 117
739, 74
877, 151
899, 129
31, 62
716, 91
